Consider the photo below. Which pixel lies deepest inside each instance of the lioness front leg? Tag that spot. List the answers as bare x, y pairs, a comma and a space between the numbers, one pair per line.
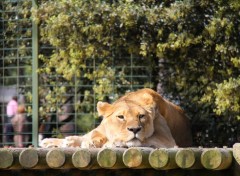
159, 142
74, 141
94, 139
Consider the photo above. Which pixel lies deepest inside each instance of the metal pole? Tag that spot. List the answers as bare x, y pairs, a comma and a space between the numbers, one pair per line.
34, 80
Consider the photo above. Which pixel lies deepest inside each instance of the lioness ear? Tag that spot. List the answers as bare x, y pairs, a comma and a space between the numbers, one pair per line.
148, 99
149, 104
103, 108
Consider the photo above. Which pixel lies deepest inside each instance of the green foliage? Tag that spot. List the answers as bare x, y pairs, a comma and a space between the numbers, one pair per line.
196, 42
227, 97
87, 37
202, 48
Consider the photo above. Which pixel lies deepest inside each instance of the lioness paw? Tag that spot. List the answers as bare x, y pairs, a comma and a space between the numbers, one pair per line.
73, 141
92, 143
52, 142
111, 144
87, 144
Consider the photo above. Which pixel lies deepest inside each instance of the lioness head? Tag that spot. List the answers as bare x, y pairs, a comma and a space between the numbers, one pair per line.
126, 123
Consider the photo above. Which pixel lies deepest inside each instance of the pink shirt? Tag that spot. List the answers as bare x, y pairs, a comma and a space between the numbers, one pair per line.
12, 108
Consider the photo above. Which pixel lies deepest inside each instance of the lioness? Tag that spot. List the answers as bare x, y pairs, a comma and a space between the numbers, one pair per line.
140, 118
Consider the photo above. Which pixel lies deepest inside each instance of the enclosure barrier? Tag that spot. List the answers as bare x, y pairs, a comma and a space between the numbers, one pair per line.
120, 158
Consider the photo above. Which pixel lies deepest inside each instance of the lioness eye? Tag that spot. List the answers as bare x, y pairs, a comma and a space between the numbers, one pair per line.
141, 116
120, 116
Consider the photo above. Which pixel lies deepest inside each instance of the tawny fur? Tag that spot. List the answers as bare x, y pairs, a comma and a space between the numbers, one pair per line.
157, 122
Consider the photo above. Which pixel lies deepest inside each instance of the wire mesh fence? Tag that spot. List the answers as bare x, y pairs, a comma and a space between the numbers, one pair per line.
55, 107
76, 112
15, 61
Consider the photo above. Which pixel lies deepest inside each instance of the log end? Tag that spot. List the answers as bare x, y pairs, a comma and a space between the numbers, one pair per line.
55, 158
159, 159
6, 159
107, 158
216, 159
81, 158
236, 152
185, 158
28, 158
132, 158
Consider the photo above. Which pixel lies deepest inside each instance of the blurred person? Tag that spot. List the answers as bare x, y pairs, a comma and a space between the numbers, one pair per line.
19, 122
12, 107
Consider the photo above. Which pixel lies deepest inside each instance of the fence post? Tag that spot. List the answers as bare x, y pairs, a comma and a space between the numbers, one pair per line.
34, 80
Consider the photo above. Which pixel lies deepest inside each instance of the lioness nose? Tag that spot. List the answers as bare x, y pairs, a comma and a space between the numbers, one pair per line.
135, 130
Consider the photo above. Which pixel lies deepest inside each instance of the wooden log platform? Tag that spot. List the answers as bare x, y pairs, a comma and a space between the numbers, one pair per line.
161, 159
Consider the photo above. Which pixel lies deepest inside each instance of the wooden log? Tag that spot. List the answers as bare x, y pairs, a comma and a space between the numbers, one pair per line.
68, 158
137, 157
85, 159
81, 158
41, 158
28, 158
111, 158
42, 163
55, 158
236, 152
236, 155
22, 158
60, 158
15, 153
34, 155
189, 158
6, 158
163, 159
216, 158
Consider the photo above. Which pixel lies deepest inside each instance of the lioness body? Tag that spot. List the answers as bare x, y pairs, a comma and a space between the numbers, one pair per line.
140, 118
176, 120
